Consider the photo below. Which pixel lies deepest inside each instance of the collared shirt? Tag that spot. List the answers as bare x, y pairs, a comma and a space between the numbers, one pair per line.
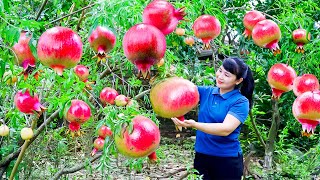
213, 109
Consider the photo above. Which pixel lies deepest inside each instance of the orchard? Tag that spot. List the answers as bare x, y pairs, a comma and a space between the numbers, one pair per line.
87, 88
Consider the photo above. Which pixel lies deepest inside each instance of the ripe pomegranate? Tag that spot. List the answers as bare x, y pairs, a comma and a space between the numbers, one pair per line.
250, 20
26, 133
4, 130
59, 48
104, 131
174, 97
153, 157
108, 95
28, 104
306, 109
143, 140
144, 45
189, 41
102, 40
266, 34
301, 38
162, 15
121, 100
98, 145
77, 113
206, 28
304, 83
25, 56
280, 78
180, 31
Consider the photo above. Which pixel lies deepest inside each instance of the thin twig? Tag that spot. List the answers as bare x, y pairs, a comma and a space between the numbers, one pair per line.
70, 11
41, 9
8, 23
277, 21
80, 20
256, 130
140, 95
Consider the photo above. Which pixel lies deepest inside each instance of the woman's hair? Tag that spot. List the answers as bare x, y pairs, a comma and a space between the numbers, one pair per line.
239, 68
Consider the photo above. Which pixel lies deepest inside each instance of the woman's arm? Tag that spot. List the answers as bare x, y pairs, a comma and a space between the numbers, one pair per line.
229, 124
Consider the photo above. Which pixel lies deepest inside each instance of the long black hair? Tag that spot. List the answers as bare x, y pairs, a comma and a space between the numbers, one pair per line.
239, 68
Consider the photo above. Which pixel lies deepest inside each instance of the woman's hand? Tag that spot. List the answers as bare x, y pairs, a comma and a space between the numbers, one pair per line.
185, 123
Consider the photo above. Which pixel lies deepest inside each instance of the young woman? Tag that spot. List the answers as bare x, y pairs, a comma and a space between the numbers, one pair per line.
223, 110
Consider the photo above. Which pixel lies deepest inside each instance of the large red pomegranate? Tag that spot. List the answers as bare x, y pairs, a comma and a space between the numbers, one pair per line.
306, 109
206, 28
304, 83
144, 45
163, 15
24, 55
266, 34
174, 97
28, 104
300, 37
108, 95
280, 78
250, 20
102, 40
77, 113
143, 140
59, 48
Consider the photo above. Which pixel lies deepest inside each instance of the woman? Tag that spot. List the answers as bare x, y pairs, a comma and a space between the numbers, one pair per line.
223, 110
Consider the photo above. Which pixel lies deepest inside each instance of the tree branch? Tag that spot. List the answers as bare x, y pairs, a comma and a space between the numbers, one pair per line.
256, 130
140, 95
41, 9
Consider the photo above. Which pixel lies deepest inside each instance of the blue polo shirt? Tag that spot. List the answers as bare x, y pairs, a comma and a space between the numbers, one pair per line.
213, 109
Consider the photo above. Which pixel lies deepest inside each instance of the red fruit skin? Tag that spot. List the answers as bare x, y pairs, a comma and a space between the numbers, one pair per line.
78, 112
304, 83
26, 103
206, 27
104, 131
174, 97
162, 15
82, 72
306, 109
143, 140
280, 78
108, 95
144, 45
98, 145
102, 40
121, 100
250, 20
300, 38
74, 126
59, 48
266, 34
153, 157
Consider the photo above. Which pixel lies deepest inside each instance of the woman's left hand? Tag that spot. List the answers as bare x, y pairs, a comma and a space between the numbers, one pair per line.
185, 123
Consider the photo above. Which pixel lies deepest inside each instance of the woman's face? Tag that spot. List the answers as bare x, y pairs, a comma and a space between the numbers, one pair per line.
225, 80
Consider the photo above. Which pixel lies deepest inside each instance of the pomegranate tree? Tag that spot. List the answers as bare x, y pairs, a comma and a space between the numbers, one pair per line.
28, 104
143, 139
306, 109
300, 37
174, 97
108, 95
102, 40
144, 45
280, 78
162, 15
304, 83
24, 55
266, 34
98, 145
206, 28
250, 20
59, 48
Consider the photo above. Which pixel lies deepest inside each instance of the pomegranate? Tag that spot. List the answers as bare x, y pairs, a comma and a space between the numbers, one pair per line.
189, 41
250, 20
83, 73
144, 45
174, 97
121, 100
28, 104
102, 40
108, 95
26, 133
304, 83
77, 113
143, 140
301, 38
206, 28
4, 130
162, 15
266, 34
25, 56
180, 31
104, 131
153, 157
59, 48
306, 109
280, 78
98, 145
